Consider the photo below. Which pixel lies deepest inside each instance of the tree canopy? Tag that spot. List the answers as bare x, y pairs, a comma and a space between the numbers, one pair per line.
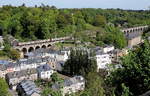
4, 88
134, 73
81, 62
31, 23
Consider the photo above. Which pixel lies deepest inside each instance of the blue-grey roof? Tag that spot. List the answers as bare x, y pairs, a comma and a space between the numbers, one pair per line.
4, 62
21, 73
29, 87
69, 82
45, 67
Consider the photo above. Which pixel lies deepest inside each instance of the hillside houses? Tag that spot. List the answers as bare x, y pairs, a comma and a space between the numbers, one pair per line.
24, 64
59, 55
42, 63
71, 85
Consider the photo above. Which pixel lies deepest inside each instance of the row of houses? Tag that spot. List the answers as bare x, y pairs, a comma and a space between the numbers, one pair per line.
104, 55
23, 81
31, 69
24, 64
41, 72
13, 78
60, 55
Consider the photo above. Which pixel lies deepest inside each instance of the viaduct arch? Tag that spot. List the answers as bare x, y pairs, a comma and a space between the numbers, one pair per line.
134, 31
26, 47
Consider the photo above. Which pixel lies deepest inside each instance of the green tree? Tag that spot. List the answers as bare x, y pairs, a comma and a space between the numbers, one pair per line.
100, 21
125, 90
94, 84
49, 91
14, 54
115, 37
55, 77
134, 73
4, 88
81, 62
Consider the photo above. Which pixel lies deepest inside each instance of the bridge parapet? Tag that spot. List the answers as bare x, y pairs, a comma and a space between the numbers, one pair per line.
134, 29
32, 45
43, 41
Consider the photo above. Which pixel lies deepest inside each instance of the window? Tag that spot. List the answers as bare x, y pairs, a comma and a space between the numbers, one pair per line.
42, 73
47, 72
82, 86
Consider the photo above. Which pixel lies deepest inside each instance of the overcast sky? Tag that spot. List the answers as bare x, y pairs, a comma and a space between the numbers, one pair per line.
123, 4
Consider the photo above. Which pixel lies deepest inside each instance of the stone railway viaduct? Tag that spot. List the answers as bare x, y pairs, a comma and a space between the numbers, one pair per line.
134, 31
26, 47
133, 36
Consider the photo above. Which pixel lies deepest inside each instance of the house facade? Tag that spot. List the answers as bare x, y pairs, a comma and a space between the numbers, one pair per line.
59, 55
102, 59
107, 48
44, 71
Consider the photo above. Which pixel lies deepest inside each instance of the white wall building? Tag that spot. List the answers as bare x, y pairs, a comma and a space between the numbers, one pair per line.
44, 72
103, 59
107, 49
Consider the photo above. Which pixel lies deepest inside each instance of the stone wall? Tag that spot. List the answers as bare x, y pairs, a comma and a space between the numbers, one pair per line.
134, 41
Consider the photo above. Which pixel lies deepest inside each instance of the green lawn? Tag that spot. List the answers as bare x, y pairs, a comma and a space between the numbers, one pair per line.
60, 45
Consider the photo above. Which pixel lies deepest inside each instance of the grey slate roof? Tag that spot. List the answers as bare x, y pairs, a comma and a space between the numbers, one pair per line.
4, 62
44, 68
19, 74
29, 87
69, 82
73, 80
41, 52
24, 61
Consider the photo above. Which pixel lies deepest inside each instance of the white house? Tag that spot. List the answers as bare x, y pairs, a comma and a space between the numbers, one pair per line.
103, 59
107, 48
44, 71
71, 85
